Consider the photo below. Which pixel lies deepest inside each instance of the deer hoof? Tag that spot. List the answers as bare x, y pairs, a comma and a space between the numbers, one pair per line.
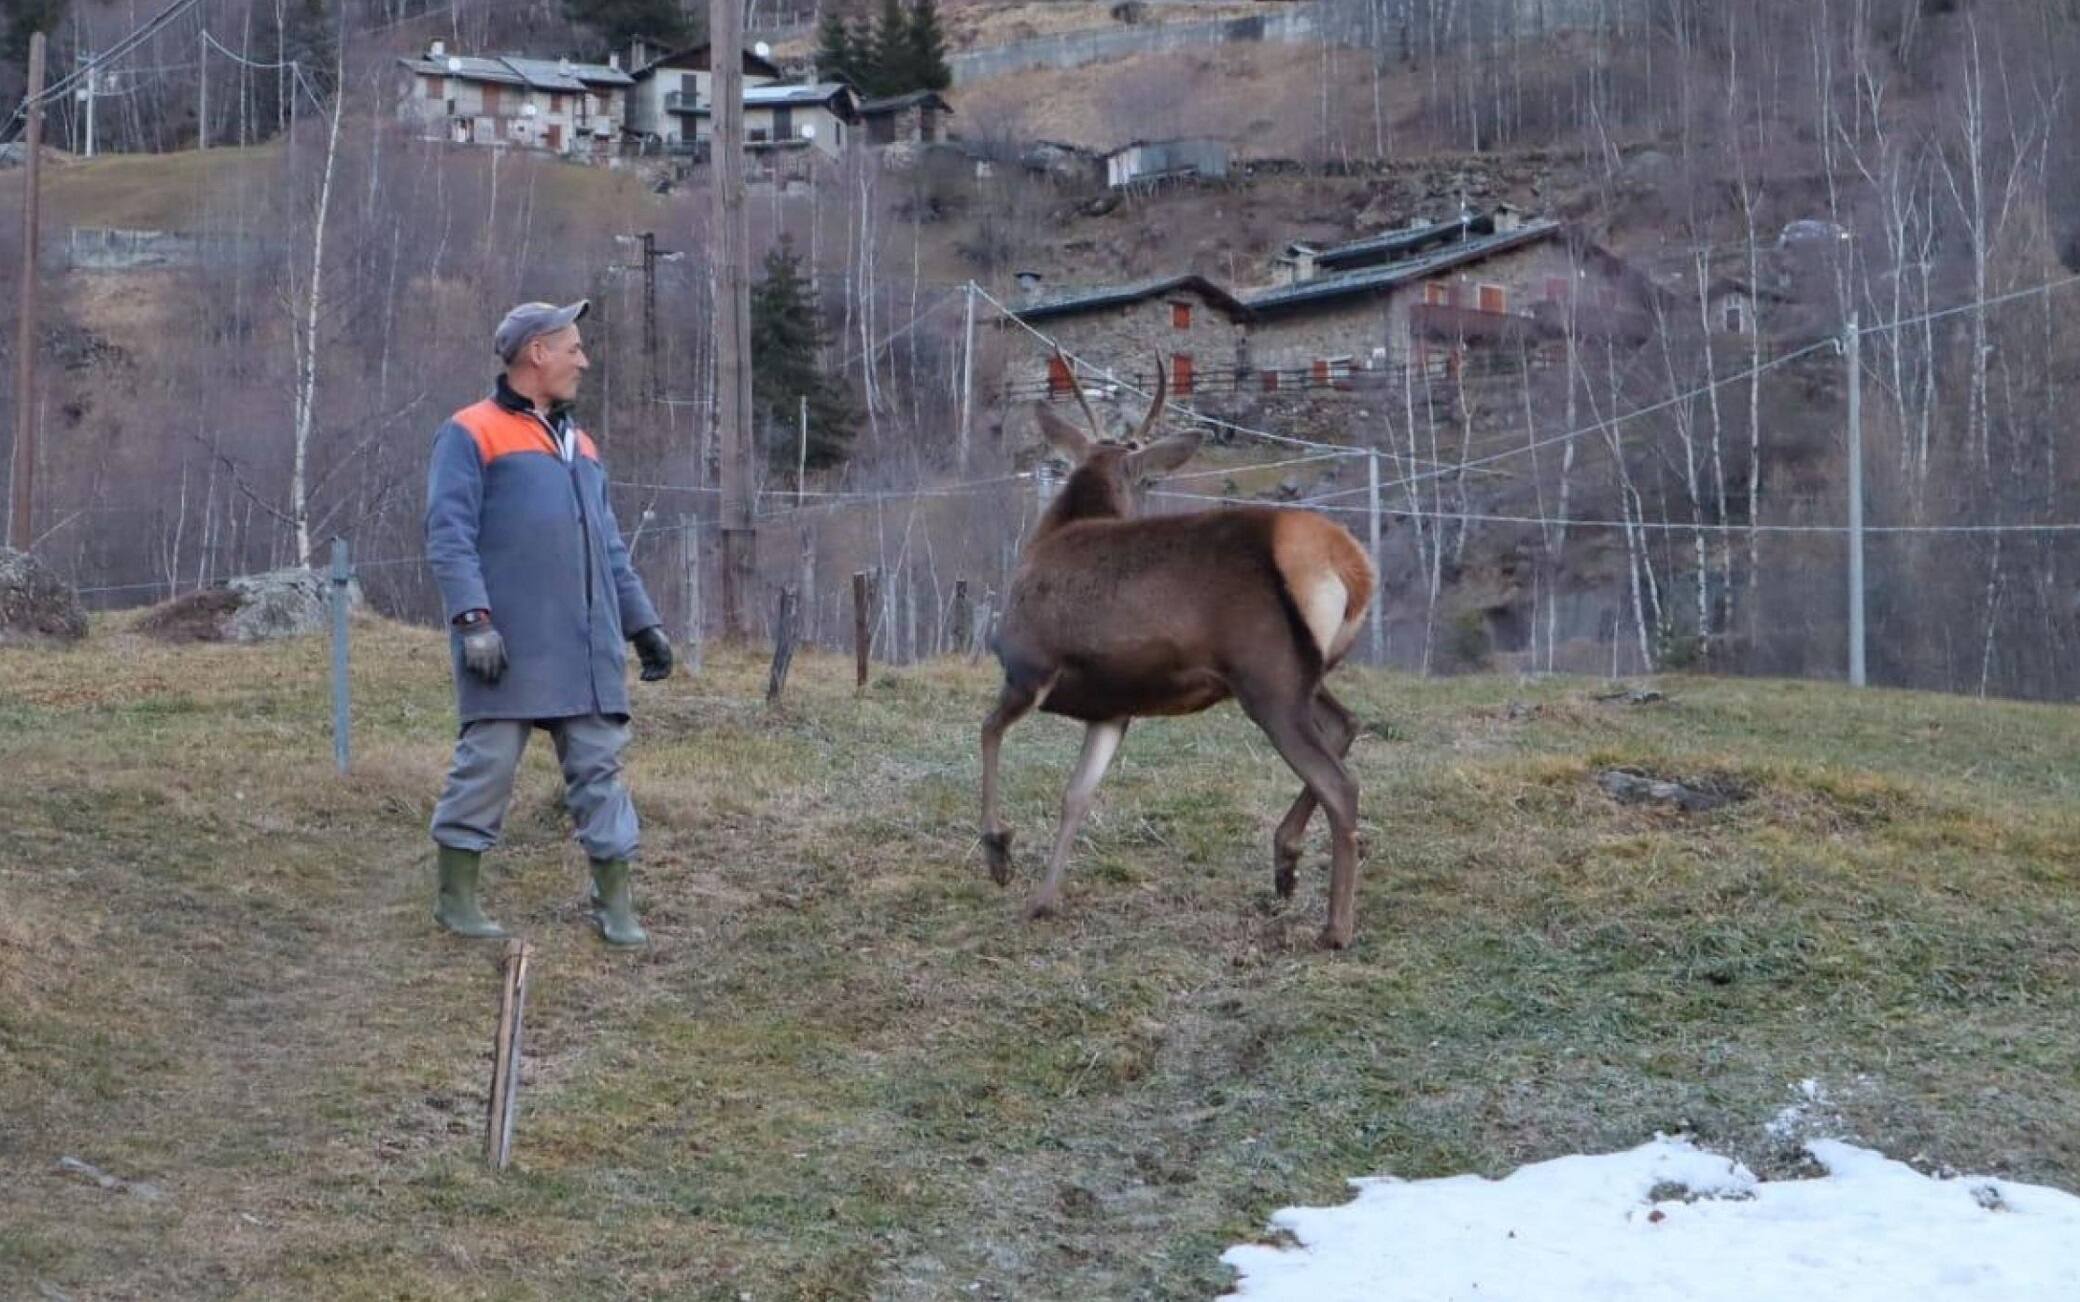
1334, 937
1042, 906
996, 849
1285, 878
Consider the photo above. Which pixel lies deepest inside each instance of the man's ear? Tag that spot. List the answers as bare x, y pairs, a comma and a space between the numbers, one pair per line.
1065, 438
1164, 455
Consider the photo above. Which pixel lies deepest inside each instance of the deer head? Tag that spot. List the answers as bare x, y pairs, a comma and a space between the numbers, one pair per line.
1110, 477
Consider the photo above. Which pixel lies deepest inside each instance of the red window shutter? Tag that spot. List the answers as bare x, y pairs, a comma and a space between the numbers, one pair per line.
1436, 293
1059, 381
1321, 370
1494, 298
1556, 289
1271, 381
1180, 316
1181, 372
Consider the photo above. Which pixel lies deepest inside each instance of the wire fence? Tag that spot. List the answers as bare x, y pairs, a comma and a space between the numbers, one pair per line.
1517, 576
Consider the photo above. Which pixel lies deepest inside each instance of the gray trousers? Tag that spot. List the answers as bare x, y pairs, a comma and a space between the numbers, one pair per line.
472, 808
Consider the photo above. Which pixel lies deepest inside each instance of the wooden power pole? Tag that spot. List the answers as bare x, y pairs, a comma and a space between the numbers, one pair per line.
20, 535
732, 311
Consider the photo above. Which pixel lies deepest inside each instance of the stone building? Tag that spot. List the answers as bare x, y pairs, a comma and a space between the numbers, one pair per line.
1431, 294
555, 105
1121, 330
918, 118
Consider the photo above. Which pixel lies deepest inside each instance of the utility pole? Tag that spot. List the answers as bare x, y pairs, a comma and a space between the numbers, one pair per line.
733, 309
1379, 648
649, 239
202, 84
801, 467
967, 378
25, 326
86, 93
1852, 346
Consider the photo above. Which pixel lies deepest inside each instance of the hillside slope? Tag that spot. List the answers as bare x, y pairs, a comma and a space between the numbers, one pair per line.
845, 1069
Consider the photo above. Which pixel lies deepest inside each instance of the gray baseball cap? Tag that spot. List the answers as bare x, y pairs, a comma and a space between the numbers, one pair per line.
531, 321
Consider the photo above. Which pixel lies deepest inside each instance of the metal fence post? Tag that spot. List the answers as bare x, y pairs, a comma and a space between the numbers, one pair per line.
342, 737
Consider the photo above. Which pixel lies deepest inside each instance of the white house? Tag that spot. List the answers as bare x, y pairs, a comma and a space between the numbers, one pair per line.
673, 94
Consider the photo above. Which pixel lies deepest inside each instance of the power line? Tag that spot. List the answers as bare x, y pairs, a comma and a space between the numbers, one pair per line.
144, 32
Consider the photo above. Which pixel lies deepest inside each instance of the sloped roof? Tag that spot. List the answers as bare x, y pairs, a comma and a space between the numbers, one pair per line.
1108, 296
694, 58
546, 74
897, 103
1372, 279
468, 67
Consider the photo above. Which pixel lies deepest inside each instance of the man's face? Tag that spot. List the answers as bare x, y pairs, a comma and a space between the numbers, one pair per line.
559, 359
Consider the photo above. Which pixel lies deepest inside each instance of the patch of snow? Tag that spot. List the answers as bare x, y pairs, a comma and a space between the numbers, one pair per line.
1590, 1229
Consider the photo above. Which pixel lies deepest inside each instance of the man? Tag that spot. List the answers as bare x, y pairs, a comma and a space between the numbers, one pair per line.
538, 590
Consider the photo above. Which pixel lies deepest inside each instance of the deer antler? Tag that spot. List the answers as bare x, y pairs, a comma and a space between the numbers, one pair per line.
1155, 408
1076, 387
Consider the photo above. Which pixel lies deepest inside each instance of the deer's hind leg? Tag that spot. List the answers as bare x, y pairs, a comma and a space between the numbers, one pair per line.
1339, 728
1281, 700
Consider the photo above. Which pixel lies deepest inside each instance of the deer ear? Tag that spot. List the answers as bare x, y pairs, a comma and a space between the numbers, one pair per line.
1165, 454
1065, 438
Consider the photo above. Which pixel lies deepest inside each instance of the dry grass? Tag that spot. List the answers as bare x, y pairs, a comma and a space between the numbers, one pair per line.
844, 1069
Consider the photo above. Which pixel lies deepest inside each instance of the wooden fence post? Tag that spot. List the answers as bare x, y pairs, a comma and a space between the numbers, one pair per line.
785, 624
963, 620
862, 603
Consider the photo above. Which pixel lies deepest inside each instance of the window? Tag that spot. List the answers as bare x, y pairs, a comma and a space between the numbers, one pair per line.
436, 88
555, 105
1181, 372
1556, 289
1494, 298
1436, 293
1321, 370
491, 100
755, 134
1180, 316
1271, 381
1736, 322
1059, 380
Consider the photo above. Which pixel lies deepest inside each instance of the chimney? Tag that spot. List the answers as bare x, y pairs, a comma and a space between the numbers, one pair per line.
614, 61
1507, 218
638, 54
563, 66
1029, 286
1418, 222
437, 50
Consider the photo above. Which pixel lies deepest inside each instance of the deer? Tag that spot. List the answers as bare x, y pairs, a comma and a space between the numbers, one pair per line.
1113, 616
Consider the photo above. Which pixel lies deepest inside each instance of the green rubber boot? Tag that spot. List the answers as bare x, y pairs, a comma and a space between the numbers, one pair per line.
613, 903
455, 907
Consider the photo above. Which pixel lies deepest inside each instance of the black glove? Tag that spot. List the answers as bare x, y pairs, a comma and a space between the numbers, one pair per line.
654, 649
483, 650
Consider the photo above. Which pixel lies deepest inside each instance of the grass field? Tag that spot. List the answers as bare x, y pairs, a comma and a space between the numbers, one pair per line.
844, 1069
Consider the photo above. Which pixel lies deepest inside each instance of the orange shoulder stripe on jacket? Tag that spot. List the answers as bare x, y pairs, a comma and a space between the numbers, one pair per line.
499, 433
586, 447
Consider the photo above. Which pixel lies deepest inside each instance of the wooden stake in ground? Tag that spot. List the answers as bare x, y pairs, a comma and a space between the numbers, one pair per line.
862, 601
505, 1054
786, 625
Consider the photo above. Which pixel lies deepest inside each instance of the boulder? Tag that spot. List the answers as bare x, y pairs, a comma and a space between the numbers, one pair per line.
35, 604
250, 608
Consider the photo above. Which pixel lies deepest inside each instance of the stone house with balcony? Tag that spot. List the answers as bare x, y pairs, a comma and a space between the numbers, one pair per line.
560, 106
1429, 295
1439, 292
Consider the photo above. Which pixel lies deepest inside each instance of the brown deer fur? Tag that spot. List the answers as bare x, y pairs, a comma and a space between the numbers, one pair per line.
1110, 618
